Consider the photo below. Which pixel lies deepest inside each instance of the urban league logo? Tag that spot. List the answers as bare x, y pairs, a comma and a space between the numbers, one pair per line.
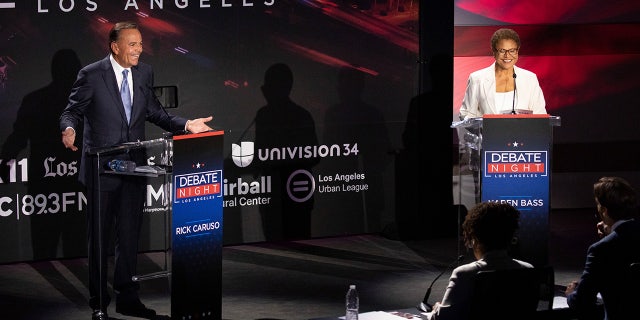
300, 185
242, 155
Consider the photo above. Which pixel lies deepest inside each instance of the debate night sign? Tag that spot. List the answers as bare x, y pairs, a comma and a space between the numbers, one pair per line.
516, 169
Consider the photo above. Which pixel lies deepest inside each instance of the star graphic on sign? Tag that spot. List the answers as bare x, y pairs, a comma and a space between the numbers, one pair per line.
515, 144
198, 165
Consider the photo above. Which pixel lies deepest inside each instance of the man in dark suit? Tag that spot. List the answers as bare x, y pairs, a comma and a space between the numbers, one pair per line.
608, 260
116, 201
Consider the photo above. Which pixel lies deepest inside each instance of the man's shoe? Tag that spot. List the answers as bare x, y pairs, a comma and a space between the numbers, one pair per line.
135, 309
99, 315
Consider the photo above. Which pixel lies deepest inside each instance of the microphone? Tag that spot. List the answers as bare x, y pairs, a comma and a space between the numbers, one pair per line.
513, 105
424, 306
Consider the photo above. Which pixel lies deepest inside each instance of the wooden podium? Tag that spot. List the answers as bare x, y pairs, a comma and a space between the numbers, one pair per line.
196, 228
515, 166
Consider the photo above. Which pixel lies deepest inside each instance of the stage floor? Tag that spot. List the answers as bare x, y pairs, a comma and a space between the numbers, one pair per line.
288, 280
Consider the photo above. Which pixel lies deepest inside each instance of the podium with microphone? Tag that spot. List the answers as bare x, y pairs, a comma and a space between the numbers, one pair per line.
192, 164
514, 160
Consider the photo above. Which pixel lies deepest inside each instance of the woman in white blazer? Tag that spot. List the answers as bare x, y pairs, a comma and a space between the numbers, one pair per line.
502, 87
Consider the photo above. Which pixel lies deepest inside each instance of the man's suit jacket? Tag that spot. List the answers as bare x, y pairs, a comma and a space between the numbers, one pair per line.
479, 98
95, 103
607, 262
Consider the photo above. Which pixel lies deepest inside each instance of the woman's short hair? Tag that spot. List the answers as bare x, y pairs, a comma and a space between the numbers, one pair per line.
492, 224
504, 34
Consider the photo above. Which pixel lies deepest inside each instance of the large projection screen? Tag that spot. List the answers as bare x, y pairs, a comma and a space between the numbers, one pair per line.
354, 74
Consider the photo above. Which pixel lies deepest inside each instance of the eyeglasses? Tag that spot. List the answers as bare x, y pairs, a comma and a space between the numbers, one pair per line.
512, 52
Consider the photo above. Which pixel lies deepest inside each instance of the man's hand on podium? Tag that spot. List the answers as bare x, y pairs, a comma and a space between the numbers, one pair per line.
198, 125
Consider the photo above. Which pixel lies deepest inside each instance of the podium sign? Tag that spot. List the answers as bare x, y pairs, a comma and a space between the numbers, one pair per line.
196, 261
516, 168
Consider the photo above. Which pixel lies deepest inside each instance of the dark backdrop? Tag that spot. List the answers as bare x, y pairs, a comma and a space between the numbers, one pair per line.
393, 165
355, 72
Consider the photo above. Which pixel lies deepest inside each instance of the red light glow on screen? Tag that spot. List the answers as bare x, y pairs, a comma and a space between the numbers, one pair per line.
577, 64
565, 80
322, 57
549, 11
160, 26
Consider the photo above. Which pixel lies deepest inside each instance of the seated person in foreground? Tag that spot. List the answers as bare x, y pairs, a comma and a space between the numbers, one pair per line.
608, 260
488, 229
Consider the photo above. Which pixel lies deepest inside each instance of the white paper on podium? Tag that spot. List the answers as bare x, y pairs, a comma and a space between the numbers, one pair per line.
560, 302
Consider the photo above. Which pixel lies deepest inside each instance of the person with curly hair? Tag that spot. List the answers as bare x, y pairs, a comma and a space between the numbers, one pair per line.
488, 230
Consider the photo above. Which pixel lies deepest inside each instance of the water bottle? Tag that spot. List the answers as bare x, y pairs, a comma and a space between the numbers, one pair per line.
119, 165
353, 303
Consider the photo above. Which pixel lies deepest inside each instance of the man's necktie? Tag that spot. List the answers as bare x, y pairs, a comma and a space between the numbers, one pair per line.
125, 94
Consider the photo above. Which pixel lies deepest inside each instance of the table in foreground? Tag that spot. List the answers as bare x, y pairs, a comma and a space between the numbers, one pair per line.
413, 313
398, 314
